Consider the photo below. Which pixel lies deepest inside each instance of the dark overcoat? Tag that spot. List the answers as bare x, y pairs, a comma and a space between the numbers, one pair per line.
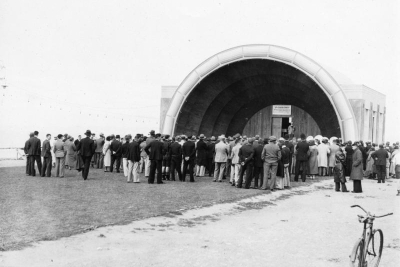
201, 148
357, 167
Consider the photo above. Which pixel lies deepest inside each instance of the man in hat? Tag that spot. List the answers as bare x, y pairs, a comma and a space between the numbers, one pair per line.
210, 156
246, 153
271, 154
86, 148
380, 157
221, 157
189, 156
98, 156
155, 150
149, 139
176, 158
116, 153
201, 148
302, 149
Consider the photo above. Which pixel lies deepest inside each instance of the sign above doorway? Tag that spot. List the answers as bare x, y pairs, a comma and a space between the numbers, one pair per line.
282, 110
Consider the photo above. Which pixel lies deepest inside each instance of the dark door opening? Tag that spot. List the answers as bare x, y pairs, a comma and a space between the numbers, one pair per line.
285, 125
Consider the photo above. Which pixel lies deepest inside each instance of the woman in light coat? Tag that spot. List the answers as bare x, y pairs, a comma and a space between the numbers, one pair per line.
356, 169
71, 153
370, 163
323, 151
107, 154
313, 160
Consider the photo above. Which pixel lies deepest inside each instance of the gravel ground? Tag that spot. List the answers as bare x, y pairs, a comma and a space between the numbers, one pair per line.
307, 226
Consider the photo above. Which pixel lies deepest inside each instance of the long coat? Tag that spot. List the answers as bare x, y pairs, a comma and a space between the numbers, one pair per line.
201, 148
357, 167
313, 161
323, 151
332, 156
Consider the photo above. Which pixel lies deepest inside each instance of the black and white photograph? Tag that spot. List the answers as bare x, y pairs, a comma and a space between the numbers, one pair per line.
199, 133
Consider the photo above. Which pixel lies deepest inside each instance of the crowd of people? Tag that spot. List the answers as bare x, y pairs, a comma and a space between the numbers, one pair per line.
247, 162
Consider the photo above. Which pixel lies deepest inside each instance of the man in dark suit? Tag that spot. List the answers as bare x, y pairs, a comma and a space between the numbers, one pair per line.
302, 149
290, 146
86, 148
258, 164
210, 156
246, 154
133, 158
28, 156
35, 152
46, 154
380, 157
155, 150
176, 158
189, 155
116, 150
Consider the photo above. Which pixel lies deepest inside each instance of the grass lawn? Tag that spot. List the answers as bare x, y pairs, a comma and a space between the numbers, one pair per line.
41, 208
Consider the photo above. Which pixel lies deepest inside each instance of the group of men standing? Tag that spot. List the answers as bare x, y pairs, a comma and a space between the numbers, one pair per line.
33, 150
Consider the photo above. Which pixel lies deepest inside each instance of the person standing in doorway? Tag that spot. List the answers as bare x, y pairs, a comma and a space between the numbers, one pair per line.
291, 130
46, 154
86, 147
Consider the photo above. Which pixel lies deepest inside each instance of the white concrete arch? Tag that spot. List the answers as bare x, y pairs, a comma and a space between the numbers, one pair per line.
316, 72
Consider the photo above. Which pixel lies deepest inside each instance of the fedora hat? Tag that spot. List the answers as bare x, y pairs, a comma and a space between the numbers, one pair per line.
202, 136
88, 132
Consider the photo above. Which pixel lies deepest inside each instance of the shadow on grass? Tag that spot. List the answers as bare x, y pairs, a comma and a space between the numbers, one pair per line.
39, 208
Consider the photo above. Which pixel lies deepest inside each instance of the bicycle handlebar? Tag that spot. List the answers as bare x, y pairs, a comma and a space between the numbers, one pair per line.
359, 207
384, 215
370, 214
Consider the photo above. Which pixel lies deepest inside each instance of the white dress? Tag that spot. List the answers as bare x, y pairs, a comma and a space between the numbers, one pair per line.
323, 151
107, 154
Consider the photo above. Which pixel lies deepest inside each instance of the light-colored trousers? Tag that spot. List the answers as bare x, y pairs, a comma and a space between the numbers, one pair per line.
219, 170
125, 164
142, 163
270, 168
60, 166
147, 166
200, 171
133, 171
286, 179
235, 169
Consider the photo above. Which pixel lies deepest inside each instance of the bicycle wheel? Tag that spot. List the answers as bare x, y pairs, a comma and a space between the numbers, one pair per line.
356, 254
374, 249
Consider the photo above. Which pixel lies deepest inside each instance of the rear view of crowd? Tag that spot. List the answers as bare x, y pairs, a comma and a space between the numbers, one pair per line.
247, 162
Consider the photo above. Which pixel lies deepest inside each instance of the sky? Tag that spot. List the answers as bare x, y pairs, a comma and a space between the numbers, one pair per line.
99, 65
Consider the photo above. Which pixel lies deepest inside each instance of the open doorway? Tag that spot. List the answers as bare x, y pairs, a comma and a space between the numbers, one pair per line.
285, 125
280, 126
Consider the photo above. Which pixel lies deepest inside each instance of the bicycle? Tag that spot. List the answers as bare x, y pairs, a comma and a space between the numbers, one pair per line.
367, 251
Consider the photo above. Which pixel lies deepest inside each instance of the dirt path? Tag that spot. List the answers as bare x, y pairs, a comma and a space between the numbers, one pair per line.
309, 226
